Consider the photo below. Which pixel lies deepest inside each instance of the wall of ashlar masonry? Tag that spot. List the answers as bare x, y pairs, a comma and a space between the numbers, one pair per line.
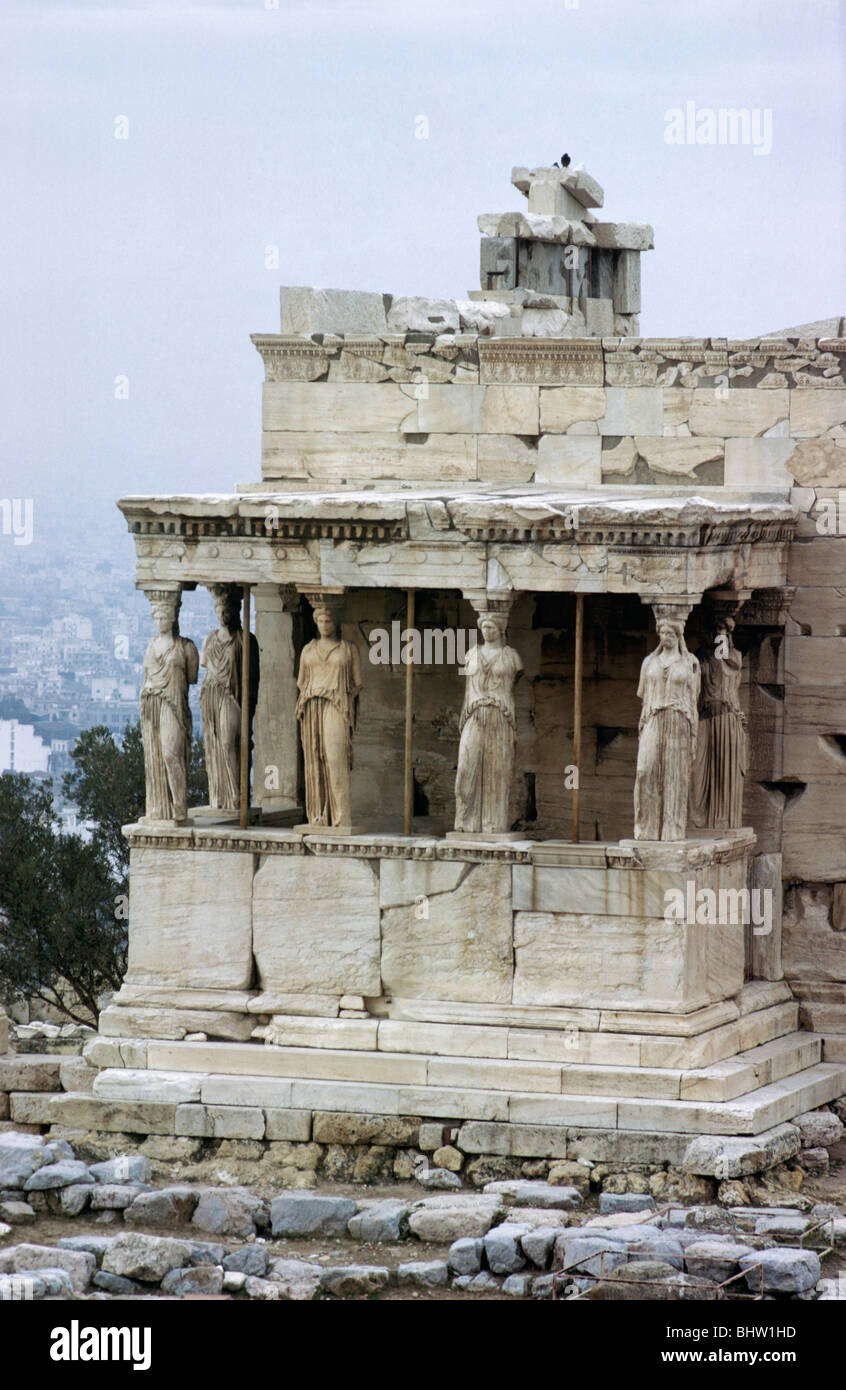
461, 409
811, 795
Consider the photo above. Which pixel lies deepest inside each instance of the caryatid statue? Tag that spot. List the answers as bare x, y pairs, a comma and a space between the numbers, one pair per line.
669, 689
488, 728
329, 682
716, 797
220, 696
170, 666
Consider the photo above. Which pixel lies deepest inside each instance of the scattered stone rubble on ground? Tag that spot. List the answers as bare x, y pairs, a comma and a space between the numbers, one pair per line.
517, 1237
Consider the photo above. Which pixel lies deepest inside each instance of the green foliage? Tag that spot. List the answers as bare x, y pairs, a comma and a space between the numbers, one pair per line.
107, 784
63, 900
60, 938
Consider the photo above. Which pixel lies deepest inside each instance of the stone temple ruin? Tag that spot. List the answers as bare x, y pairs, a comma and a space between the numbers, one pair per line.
584, 893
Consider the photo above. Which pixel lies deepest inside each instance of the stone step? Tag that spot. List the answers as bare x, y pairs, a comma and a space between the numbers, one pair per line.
570, 1044
30, 1071
266, 1106
211, 1072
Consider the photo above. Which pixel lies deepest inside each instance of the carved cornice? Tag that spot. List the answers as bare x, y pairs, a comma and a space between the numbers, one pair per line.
255, 527
576, 361
374, 849
483, 854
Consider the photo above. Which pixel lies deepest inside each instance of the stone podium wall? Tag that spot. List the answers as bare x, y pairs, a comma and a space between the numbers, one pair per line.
263, 922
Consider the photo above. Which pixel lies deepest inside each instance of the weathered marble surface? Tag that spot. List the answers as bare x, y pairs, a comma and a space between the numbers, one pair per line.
301, 941
190, 919
446, 930
669, 688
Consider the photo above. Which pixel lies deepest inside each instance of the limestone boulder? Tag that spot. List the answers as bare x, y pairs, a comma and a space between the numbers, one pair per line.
781, 1270
294, 1214
20, 1157
819, 1129
146, 1258
449, 1217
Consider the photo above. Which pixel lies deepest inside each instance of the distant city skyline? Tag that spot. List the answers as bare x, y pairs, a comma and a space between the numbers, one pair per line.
168, 166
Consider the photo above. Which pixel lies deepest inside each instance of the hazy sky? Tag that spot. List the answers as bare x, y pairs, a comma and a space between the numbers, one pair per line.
252, 126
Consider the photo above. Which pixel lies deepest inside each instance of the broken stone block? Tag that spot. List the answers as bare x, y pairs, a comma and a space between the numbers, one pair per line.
424, 1274
126, 1168
818, 1129
729, 1156
169, 1206
62, 1174
78, 1264
414, 314
229, 1211
612, 1202
307, 310
20, 1156
383, 1221
465, 1255
446, 1218
503, 1250
354, 1281
527, 1193
714, 1259
253, 1259
206, 1279
781, 1270
148, 1258
297, 1280
537, 1245
306, 1214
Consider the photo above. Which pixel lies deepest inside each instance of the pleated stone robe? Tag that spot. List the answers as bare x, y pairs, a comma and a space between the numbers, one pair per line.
669, 689
329, 681
488, 740
716, 795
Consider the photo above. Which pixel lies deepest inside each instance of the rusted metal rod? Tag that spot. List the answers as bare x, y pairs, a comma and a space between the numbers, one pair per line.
408, 771
577, 712
244, 802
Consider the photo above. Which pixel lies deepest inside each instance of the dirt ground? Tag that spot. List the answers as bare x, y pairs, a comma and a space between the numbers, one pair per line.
48, 1230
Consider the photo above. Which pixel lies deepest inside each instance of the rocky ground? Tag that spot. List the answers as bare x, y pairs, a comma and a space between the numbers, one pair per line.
118, 1229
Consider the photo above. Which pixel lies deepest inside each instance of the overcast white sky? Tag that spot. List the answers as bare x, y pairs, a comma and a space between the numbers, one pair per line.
295, 126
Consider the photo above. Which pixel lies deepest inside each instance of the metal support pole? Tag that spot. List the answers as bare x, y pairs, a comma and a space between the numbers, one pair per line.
244, 804
577, 713
408, 785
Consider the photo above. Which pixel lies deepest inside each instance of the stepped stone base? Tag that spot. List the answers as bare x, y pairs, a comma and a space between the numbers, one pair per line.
614, 1091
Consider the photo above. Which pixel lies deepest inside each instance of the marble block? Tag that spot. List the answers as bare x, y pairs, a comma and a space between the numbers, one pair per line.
190, 923
594, 960
316, 925
446, 930
305, 309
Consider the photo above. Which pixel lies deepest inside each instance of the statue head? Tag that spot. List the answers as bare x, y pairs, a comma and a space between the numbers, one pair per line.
165, 610
227, 606
493, 627
670, 634
325, 620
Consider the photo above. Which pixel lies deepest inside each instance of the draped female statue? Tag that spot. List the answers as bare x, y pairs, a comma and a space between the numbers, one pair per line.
716, 797
170, 666
220, 697
329, 682
488, 732
669, 689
